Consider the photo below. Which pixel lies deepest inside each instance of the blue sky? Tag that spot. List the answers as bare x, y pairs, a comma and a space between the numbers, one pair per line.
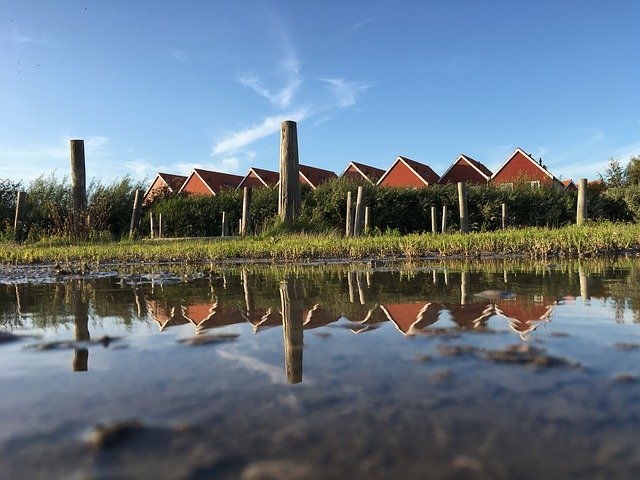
155, 85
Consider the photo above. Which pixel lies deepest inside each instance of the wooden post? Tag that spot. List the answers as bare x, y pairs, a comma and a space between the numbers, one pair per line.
348, 231
358, 222
584, 285
434, 220
361, 290
239, 226
78, 189
289, 190
248, 293
462, 204
367, 219
225, 225
246, 211
504, 217
464, 288
444, 218
151, 226
135, 215
81, 326
351, 282
292, 310
581, 214
18, 224
159, 225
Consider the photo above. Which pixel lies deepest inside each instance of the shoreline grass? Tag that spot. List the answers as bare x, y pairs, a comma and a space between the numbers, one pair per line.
588, 240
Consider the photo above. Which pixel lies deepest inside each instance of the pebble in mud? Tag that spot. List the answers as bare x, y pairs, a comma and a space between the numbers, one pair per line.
105, 341
108, 435
625, 378
457, 350
625, 346
527, 355
278, 470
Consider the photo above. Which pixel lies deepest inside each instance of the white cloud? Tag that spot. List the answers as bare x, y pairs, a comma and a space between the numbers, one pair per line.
237, 140
345, 92
180, 55
281, 98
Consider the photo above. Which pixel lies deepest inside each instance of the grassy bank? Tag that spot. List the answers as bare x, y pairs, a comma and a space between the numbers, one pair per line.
529, 242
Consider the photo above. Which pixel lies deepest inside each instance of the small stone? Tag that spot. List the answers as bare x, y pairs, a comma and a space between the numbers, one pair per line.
108, 435
441, 375
424, 358
625, 378
201, 340
457, 350
625, 346
277, 470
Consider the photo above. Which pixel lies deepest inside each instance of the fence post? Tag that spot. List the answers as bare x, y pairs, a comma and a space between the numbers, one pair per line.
160, 225
358, 222
367, 219
151, 226
225, 225
505, 218
135, 215
246, 211
78, 188
434, 220
462, 203
348, 232
289, 190
18, 224
444, 218
581, 214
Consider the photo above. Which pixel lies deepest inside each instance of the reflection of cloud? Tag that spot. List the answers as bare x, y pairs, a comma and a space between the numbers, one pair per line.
346, 92
242, 138
275, 374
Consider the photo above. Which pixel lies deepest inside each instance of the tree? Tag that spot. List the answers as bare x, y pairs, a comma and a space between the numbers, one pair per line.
633, 170
614, 175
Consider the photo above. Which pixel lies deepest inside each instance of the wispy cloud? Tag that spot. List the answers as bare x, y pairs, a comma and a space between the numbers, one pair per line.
237, 140
15, 35
281, 98
357, 26
180, 55
346, 92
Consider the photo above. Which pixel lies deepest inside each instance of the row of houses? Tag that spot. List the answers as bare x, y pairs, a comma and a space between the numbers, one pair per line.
404, 172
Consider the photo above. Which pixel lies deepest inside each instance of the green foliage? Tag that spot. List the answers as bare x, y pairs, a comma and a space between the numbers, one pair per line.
633, 170
8, 195
614, 175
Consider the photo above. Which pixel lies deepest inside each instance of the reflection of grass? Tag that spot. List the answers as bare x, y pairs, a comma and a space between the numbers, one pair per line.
591, 239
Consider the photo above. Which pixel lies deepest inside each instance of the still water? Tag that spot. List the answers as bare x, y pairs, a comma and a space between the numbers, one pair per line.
476, 370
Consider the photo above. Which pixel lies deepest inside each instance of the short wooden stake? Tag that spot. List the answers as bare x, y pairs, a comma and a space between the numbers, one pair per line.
18, 224
504, 217
444, 218
135, 215
151, 226
160, 225
581, 214
462, 204
367, 219
289, 190
434, 220
246, 211
348, 230
358, 221
78, 188
225, 225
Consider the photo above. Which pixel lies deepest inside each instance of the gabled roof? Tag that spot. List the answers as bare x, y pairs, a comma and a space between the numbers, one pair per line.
214, 181
268, 178
422, 171
315, 176
407, 316
476, 165
569, 184
528, 157
172, 182
368, 172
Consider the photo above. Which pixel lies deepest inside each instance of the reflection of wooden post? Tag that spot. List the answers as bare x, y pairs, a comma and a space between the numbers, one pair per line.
141, 305
18, 223
225, 225
358, 221
151, 225
505, 276
581, 214
367, 220
81, 326
446, 277
135, 215
462, 204
348, 228
504, 217
361, 290
78, 188
584, 285
351, 277
434, 277
246, 211
444, 218
464, 288
292, 310
289, 189
248, 294
434, 220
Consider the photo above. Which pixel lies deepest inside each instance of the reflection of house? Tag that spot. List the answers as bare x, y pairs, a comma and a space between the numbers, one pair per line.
263, 320
524, 315
360, 171
313, 176
317, 316
472, 315
164, 183
521, 167
410, 317
206, 182
366, 319
164, 314
408, 173
466, 169
258, 177
211, 315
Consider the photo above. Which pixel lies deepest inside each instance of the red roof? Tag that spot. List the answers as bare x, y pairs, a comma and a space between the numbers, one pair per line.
569, 184
174, 182
466, 169
315, 176
161, 183
413, 174
207, 182
360, 170
259, 177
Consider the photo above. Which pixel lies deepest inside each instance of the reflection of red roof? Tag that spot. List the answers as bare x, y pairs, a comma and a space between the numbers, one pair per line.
206, 182
211, 315
164, 314
408, 173
271, 318
313, 176
317, 316
524, 314
258, 177
359, 171
408, 317
472, 315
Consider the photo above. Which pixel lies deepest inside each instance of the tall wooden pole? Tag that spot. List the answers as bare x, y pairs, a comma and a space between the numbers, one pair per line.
504, 218
289, 190
434, 220
581, 214
135, 215
78, 188
358, 222
444, 218
292, 311
462, 203
246, 211
348, 229
18, 224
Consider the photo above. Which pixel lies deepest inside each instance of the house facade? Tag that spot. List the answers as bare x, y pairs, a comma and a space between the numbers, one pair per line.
466, 169
164, 183
207, 182
405, 172
522, 167
314, 176
258, 178
360, 171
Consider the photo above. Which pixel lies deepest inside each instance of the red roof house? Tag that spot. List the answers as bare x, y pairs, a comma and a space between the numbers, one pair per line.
408, 173
163, 183
359, 171
569, 185
466, 169
258, 177
521, 167
313, 176
206, 182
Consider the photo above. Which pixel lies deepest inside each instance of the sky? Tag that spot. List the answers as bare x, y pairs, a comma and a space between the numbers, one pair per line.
167, 86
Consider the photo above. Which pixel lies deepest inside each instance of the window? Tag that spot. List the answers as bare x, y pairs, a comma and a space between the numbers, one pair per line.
535, 184
507, 185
